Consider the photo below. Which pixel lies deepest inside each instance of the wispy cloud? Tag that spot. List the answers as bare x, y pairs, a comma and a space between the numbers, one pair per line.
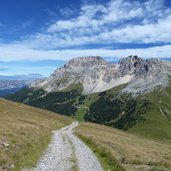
61, 12
18, 53
117, 21
23, 25
67, 12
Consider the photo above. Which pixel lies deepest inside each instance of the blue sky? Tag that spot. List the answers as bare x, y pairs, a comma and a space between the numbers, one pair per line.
43, 67
36, 36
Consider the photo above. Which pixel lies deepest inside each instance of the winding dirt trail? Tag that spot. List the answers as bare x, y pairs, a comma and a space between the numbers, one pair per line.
67, 153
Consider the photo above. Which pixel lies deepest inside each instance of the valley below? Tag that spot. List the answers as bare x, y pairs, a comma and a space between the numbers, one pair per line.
121, 126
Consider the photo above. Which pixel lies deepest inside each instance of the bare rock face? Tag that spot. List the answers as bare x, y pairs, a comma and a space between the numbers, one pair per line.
97, 75
86, 61
91, 72
134, 65
148, 74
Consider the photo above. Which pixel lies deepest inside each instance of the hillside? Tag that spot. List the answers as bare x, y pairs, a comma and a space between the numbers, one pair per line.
24, 134
63, 102
148, 114
121, 151
142, 115
26, 131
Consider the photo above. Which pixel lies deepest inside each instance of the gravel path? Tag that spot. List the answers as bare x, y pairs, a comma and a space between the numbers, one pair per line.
67, 153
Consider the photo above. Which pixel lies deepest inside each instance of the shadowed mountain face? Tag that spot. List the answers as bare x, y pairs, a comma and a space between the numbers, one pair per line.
97, 75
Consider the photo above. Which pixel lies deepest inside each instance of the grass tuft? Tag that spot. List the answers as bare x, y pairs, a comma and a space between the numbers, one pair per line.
105, 156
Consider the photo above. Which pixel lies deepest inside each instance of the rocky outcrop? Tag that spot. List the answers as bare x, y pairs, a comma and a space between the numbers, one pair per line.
134, 65
97, 75
86, 61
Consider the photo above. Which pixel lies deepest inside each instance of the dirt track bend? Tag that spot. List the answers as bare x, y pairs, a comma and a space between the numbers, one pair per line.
67, 153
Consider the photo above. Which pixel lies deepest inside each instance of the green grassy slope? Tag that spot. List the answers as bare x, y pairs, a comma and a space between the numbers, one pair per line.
158, 118
119, 150
91, 99
148, 115
63, 102
26, 131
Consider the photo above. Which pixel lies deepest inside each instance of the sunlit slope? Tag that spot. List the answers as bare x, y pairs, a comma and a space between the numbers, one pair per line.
119, 150
157, 122
148, 114
24, 133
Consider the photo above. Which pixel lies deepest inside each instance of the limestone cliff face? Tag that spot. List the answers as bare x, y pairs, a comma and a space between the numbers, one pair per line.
134, 65
97, 75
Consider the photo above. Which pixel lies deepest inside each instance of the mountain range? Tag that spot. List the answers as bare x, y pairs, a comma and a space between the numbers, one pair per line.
97, 75
21, 77
13, 83
133, 95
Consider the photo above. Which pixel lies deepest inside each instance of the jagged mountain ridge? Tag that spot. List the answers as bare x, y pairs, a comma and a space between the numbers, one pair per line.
97, 75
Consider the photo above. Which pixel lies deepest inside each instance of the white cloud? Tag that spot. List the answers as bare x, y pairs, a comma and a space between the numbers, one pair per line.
158, 32
118, 21
66, 12
149, 33
99, 15
19, 52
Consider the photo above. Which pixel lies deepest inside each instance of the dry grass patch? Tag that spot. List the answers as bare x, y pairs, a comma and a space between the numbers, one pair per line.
129, 151
24, 134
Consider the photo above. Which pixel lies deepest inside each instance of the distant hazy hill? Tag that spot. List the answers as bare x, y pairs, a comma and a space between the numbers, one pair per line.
21, 77
11, 84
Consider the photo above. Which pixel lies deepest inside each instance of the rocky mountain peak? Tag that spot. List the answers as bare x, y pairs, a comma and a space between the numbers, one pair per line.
130, 64
131, 58
97, 75
134, 65
86, 61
